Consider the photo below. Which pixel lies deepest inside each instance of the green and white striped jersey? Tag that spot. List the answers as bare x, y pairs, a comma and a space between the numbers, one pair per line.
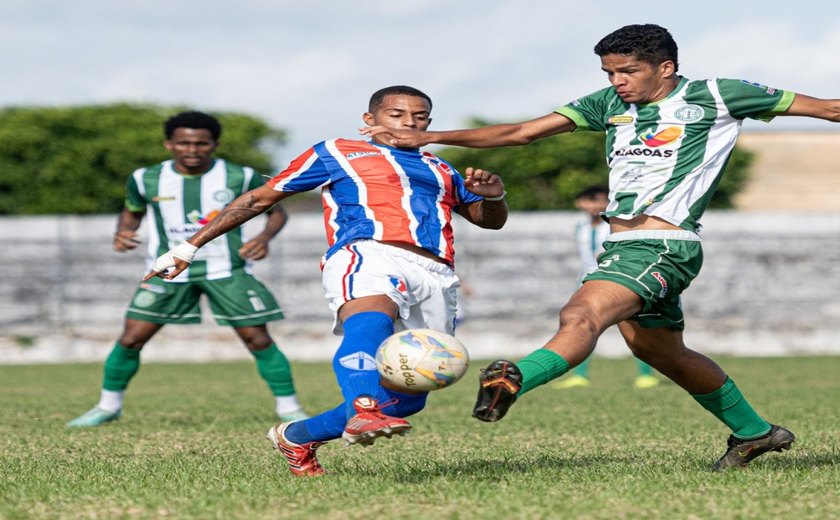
666, 158
178, 205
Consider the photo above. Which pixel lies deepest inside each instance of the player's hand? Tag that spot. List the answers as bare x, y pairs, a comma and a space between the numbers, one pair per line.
173, 262
255, 249
484, 183
398, 138
125, 240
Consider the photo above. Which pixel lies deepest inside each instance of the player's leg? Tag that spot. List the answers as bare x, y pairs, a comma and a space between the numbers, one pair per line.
120, 366
154, 304
595, 306
243, 302
275, 370
645, 377
708, 384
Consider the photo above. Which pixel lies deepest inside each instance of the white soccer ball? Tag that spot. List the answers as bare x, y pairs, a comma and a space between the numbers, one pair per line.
422, 360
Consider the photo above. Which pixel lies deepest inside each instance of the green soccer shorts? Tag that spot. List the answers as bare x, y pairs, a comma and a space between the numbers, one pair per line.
240, 300
658, 265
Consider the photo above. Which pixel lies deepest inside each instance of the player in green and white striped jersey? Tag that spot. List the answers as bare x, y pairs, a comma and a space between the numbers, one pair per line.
668, 140
180, 196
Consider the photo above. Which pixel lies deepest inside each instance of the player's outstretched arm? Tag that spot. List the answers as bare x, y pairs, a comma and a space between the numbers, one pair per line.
492, 212
242, 209
828, 109
485, 137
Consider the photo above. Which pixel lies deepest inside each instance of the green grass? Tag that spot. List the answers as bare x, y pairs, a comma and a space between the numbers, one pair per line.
190, 445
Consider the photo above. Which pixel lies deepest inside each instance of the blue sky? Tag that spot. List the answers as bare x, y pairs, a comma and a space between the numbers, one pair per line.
309, 67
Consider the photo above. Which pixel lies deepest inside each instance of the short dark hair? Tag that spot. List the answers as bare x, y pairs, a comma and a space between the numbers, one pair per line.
379, 95
590, 192
192, 119
647, 42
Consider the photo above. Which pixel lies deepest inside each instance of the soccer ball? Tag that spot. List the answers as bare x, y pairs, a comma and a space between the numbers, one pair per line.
422, 360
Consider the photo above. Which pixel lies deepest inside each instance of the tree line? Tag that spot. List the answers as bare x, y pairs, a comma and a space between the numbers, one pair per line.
76, 159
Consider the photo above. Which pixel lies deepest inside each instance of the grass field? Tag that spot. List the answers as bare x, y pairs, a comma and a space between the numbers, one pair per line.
190, 445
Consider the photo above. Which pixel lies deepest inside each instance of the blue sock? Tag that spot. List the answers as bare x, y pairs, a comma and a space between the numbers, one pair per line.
330, 425
354, 363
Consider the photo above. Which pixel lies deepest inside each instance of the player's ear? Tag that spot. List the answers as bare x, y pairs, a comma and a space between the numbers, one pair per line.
666, 68
169, 145
367, 117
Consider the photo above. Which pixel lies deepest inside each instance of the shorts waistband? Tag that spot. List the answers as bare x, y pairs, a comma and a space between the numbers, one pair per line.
405, 254
654, 234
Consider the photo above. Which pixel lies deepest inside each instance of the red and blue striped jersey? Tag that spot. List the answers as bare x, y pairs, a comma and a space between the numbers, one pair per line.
373, 191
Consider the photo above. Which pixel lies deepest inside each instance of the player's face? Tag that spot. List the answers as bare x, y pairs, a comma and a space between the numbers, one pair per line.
400, 112
592, 206
192, 149
638, 81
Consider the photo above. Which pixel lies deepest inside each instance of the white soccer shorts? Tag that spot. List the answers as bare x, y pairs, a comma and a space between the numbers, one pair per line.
424, 290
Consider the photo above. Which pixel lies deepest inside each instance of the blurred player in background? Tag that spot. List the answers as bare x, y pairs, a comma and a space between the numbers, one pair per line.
388, 218
590, 233
181, 196
668, 139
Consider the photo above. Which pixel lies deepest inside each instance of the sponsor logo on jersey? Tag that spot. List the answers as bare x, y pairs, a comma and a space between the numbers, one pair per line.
662, 282
620, 120
161, 199
690, 113
765, 88
359, 155
642, 152
197, 218
153, 288
663, 137
224, 196
631, 176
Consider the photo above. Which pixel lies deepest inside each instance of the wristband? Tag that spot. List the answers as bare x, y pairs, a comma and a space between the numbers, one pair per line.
496, 199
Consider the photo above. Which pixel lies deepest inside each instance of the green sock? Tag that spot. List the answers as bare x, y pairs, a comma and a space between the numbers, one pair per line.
644, 368
730, 407
582, 370
120, 366
539, 367
275, 369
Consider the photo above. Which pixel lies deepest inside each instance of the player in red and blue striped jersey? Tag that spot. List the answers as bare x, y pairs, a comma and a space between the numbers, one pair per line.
390, 263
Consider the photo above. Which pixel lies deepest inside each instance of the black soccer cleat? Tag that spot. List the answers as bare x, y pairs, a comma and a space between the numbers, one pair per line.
740, 452
498, 386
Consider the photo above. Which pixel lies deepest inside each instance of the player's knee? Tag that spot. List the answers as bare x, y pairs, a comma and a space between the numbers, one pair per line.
580, 318
132, 341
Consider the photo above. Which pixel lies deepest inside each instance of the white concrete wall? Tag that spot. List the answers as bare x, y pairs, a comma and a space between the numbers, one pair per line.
770, 286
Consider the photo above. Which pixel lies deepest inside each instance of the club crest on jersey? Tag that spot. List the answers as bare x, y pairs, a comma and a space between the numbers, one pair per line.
224, 196
690, 113
398, 283
359, 155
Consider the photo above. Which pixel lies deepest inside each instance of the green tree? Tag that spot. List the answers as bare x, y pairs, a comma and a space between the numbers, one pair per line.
548, 173
75, 160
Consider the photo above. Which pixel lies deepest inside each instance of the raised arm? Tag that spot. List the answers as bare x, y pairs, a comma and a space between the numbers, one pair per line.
485, 137
242, 209
492, 211
828, 109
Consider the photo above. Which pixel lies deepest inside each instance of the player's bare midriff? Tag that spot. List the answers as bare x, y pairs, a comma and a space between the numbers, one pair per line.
618, 225
414, 249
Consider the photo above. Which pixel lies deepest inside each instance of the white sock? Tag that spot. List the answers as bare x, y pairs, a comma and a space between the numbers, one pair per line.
111, 401
286, 403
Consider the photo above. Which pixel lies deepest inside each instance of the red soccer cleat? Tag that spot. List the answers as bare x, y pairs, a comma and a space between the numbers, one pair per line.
370, 423
301, 457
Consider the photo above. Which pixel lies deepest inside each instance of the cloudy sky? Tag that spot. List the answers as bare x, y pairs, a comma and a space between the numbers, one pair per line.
309, 67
